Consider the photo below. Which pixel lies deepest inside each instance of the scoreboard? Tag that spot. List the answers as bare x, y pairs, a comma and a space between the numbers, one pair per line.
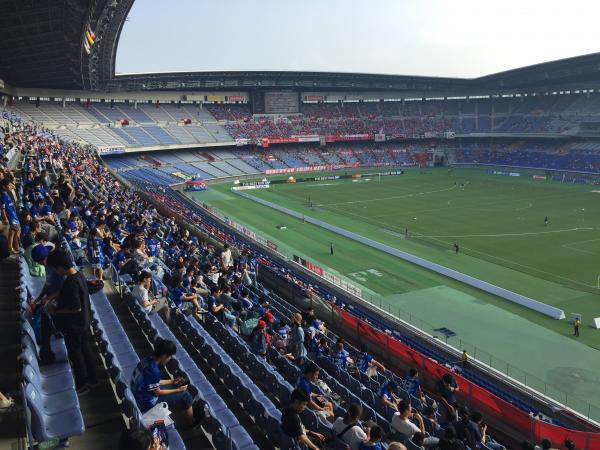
282, 102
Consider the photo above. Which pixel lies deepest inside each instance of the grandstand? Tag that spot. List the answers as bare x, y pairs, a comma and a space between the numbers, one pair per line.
94, 163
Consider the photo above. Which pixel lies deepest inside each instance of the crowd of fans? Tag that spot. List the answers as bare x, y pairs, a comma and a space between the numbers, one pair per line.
554, 114
64, 190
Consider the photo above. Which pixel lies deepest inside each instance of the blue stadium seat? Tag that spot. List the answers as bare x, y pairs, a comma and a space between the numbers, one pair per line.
60, 425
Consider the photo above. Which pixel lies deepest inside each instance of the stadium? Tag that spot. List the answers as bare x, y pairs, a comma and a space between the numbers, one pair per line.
270, 259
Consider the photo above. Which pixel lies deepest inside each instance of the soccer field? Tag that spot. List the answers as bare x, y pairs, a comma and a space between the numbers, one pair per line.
498, 224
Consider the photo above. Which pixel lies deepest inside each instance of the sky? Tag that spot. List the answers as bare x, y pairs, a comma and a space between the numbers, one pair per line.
455, 38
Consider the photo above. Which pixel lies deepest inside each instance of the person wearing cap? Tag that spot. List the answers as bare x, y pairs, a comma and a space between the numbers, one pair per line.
36, 254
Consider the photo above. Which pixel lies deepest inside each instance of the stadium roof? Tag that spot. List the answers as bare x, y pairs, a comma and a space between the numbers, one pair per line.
72, 44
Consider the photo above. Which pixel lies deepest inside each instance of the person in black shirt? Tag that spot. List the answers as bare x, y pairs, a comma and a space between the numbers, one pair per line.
291, 424
450, 441
71, 315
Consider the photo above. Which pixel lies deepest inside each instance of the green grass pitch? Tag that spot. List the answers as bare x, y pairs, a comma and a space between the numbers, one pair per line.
498, 224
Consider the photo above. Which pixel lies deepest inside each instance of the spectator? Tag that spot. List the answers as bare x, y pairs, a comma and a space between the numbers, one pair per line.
317, 402
226, 257
216, 306
260, 339
36, 253
182, 299
96, 253
546, 444
148, 387
396, 446
432, 427
71, 316
419, 439
291, 424
367, 364
141, 294
461, 426
476, 434
450, 441
412, 382
447, 388
348, 430
29, 229
388, 393
375, 437
141, 439
10, 217
339, 356
406, 429
297, 348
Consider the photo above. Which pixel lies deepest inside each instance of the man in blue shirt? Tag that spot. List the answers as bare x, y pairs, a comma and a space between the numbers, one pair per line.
152, 245
10, 217
412, 382
148, 388
339, 356
367, 360
317, 403
182, 298
388, 393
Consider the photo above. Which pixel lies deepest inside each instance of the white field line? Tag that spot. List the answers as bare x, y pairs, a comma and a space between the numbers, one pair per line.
532, 233
389, 198
535, 269
570, 246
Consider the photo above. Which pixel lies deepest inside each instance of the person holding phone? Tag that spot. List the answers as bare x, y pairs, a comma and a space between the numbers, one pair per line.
148, 388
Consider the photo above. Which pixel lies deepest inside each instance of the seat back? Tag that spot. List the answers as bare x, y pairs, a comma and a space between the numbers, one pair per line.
36, 411
31, 376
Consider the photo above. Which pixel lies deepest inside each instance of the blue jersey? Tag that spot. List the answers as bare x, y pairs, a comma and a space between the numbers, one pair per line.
339, 358
144, 381
152, 247
118, 259
9, 208
304, 385
385, 392
370, 446
412, 385
96, 255
365, 360
176, 296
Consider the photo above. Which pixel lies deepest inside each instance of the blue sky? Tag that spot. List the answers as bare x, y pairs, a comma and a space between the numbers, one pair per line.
463, 38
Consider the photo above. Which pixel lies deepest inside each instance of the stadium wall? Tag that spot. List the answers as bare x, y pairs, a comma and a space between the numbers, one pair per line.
522, 300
